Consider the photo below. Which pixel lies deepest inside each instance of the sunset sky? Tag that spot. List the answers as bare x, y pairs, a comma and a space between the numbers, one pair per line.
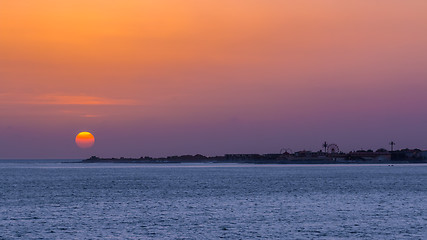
170, 77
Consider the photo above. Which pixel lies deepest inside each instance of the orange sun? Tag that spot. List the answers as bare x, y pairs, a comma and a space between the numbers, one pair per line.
85, 140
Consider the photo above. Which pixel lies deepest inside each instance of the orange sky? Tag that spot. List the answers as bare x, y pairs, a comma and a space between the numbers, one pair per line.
200, 65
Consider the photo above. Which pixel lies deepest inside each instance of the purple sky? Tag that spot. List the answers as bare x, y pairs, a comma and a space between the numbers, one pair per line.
170, 78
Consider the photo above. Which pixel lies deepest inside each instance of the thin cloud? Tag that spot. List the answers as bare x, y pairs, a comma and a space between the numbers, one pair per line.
50, 99
91, 116
81, 100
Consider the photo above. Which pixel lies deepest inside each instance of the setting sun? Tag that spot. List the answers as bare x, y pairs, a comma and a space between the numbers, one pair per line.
85, 140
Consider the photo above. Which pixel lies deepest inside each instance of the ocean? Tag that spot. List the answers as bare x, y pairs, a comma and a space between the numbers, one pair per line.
50, 199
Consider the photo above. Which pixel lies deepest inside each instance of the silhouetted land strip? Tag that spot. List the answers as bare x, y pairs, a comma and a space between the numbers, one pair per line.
302, 157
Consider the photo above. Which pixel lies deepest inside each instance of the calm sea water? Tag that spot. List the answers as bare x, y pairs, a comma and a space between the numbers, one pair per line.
54, 200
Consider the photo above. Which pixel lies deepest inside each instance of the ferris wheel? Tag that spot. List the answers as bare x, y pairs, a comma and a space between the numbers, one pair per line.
333, 148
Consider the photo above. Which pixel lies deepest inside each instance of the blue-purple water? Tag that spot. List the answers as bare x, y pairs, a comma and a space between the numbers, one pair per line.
53, 200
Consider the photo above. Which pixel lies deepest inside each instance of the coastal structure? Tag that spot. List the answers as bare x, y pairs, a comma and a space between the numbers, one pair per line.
331, 156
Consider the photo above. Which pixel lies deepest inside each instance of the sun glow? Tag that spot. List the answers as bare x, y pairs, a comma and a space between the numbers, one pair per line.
85, 140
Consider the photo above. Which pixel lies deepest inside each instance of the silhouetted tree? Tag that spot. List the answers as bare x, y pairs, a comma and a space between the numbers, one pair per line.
325, 145
381, 150
392, 145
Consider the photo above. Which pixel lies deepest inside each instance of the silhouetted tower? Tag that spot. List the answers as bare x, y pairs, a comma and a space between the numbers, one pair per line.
325, 146
392, 145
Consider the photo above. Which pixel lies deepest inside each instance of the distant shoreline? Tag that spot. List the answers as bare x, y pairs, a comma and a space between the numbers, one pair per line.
261, 159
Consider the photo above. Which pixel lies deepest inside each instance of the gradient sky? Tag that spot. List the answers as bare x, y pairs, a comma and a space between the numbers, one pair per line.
170, 77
